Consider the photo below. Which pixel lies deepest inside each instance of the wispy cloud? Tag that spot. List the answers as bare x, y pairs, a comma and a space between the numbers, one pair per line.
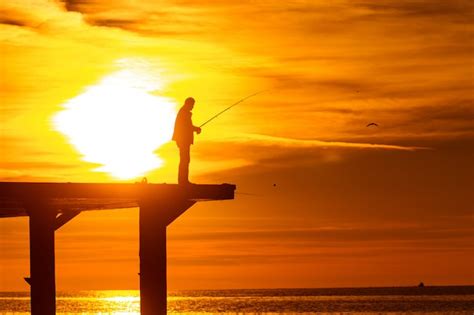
338, 234
265, 140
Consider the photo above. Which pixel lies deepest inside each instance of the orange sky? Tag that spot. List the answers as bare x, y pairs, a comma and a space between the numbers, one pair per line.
352, 206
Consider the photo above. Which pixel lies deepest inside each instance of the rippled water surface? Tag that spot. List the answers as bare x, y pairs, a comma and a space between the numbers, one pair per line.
428, 300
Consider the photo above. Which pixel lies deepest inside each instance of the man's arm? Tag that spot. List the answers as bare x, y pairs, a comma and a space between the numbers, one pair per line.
197, 129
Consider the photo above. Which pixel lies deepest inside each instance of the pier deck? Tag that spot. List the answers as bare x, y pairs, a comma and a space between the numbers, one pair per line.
51, 205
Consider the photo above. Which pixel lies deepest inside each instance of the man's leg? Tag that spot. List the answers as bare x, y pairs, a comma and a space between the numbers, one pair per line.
184, 159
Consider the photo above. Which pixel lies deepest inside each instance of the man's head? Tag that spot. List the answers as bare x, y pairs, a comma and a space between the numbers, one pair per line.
189, 103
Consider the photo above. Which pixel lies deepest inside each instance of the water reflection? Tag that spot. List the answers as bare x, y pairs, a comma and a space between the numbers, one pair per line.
394, 301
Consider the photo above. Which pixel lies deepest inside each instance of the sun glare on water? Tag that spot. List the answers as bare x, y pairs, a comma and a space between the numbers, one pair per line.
118, 124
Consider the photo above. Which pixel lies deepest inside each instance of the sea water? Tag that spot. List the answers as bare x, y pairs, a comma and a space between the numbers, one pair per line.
399, 300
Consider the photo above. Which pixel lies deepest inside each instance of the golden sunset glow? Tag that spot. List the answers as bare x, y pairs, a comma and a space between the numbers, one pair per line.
117, 123
89, 92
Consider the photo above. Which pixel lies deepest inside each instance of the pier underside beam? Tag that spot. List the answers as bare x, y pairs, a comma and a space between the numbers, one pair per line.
160, 205
65, 217
42, 266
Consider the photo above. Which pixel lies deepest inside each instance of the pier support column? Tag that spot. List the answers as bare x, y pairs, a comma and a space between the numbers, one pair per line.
154, 218
42, 266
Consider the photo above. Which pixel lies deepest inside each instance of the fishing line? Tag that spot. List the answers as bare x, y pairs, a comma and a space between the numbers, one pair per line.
248, 194
226, 109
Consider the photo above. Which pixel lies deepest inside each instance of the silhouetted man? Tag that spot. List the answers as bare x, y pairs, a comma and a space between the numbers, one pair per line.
184, 137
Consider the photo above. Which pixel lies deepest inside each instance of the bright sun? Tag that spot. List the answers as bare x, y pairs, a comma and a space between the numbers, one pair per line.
118, 124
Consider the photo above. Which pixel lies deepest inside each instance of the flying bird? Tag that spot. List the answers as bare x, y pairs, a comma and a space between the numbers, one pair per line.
372, 124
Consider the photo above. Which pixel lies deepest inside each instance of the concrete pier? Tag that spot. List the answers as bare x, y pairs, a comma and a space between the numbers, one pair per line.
155, 216
51, 205
42, 262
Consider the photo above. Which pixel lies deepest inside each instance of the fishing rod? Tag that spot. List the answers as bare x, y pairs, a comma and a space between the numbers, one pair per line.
226, 109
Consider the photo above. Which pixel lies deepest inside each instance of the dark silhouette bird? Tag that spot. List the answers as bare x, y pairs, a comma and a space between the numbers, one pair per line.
274, 185
372, 124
